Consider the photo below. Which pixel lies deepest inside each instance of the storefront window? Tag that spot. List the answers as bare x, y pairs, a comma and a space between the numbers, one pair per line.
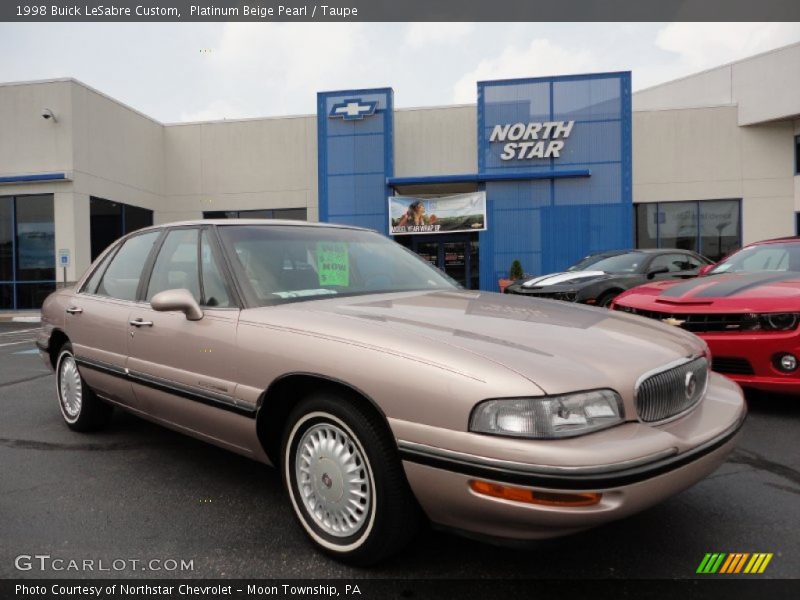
109, 221
797, 155
6, 253
292, 214
710, 227
27, 251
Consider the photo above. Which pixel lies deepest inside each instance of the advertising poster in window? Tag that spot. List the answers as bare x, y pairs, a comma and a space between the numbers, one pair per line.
445, 214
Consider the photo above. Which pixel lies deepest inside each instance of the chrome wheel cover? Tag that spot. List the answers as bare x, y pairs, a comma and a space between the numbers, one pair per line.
333, 480
70, 390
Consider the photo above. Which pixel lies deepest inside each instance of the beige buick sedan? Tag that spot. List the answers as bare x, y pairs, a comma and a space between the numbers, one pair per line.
383, 392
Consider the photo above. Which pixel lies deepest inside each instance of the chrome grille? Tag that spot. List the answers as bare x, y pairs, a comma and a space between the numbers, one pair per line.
666, 394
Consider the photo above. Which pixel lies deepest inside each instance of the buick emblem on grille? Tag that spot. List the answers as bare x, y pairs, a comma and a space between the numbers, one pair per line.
691, 385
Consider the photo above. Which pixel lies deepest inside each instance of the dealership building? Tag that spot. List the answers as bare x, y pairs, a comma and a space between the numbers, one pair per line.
560, 167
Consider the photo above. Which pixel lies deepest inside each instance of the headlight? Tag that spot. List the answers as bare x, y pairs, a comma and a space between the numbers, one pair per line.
566, 296
769, 321
779, 321
548, 417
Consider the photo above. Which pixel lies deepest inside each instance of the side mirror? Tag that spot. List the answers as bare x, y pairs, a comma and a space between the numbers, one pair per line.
657, 271
705, 269
178, 299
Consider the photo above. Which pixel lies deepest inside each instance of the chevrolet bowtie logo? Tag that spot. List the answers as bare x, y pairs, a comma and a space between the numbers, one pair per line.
352, 109
673, 321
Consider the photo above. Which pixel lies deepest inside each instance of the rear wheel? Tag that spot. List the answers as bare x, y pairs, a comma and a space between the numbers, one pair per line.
345, 481
81, 408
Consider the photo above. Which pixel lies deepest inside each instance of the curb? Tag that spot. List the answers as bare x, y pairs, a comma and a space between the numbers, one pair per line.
31, 318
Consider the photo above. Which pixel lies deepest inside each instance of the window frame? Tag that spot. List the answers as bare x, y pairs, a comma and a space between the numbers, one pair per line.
114, 249
147, 272
698, 237
797, 154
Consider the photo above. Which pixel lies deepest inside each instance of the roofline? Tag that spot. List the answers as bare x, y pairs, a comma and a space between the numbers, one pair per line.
258, 222
718, 67
788, 238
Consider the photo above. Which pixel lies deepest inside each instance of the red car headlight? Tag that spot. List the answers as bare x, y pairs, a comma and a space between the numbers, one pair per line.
771, 322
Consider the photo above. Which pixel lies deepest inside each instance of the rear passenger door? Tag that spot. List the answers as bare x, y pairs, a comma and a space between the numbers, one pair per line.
183, 370
97, 318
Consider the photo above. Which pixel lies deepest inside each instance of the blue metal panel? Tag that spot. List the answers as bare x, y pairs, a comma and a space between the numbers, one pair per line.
553, 218
482, 177
36, 177
355, 158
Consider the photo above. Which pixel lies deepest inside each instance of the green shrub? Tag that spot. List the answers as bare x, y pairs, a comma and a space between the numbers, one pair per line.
516, 271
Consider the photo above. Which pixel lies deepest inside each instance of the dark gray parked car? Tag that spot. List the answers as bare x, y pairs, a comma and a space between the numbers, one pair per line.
599, 278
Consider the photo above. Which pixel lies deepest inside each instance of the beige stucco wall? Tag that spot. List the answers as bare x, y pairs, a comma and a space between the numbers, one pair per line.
240, 165
765, 87
703, 154
118, 152
30, 144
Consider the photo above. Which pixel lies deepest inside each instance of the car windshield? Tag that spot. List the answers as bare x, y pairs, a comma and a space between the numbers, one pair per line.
630, 262
756, 259
290, 263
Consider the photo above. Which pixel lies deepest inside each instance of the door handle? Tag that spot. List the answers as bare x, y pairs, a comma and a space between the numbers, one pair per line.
140, 323
74, 310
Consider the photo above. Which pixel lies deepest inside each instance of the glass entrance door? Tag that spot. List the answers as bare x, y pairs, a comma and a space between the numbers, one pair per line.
456, 255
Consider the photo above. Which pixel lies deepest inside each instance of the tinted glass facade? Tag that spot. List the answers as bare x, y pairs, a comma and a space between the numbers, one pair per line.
27, 251
797, 155
111, 220
710, 227
292, 214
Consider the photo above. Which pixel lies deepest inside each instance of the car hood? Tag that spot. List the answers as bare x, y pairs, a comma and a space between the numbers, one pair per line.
565, 279
558, 346
728, 292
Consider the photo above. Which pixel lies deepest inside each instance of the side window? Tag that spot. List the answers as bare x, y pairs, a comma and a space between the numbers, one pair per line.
673, 262
90, 287
687, 262
121, 279
176, 266
215, 291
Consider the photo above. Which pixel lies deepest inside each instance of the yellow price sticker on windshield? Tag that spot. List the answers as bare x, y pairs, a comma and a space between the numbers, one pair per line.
333, 264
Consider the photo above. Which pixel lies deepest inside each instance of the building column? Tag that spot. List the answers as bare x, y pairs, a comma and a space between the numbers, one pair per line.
71, 212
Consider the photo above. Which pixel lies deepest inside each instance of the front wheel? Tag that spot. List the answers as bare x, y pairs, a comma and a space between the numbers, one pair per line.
606, 298
345, 481
81, 408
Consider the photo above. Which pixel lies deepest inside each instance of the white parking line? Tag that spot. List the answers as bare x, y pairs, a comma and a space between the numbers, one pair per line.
17, 331
29, 341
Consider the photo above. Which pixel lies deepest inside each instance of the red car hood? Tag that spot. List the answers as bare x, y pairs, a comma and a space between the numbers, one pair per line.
733, 292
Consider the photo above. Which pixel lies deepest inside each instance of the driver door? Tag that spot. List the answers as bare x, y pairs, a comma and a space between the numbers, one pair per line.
181, 369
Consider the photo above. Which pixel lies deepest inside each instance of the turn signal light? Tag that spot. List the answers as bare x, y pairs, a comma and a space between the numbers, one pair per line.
517, 494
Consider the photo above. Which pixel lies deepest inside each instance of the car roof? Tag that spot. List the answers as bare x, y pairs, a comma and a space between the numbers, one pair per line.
262, 222
788, 238
641, 251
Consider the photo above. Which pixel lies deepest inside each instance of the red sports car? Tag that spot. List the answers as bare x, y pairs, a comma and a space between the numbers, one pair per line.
746, 307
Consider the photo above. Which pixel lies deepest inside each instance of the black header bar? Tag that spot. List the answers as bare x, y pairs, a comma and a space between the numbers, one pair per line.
398, 10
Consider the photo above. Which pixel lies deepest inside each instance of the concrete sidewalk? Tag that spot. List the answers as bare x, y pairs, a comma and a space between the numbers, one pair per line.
21, 316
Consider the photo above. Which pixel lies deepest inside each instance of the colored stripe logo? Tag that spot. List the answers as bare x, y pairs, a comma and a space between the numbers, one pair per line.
734, 563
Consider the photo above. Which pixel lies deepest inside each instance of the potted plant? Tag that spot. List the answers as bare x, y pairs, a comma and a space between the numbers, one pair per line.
514, 273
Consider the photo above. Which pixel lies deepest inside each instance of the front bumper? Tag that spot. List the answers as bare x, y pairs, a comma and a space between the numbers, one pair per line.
678, 455
748, 359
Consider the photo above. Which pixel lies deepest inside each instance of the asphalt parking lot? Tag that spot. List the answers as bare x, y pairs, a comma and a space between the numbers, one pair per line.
137, 491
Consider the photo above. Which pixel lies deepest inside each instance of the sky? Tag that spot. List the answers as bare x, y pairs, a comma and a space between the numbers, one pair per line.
177, 72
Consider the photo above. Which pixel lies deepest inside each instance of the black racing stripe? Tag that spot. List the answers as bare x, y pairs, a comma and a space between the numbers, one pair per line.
170, 387
725, 287
567, 481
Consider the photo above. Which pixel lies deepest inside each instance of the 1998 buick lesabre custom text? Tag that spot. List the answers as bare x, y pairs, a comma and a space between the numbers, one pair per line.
382, 390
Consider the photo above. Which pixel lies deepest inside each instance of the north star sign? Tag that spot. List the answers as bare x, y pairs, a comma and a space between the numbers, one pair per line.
524, 141
353, 108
